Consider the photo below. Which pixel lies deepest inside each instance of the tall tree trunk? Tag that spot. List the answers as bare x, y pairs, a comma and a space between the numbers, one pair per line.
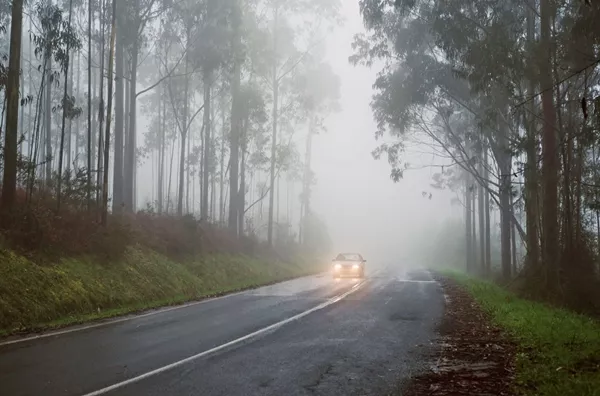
170, 174
161, 171
513, 236
188, 169
21, 134
77, 122
184, 132
89, 110
111, 54
207, 145
242, 190
130, 158
469, 237
64, 117
119, 121
504, 163
550, 243
275, 84
235, 116
48, 118
531, 170
9, 177
307, 180
222, 160
481, 209
474, 228
70, 124
94, 120
100, 169
488, 236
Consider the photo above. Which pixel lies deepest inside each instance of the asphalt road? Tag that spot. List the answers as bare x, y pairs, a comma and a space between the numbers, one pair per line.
309, 336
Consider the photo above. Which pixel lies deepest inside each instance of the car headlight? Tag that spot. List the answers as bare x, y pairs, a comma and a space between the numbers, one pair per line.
337, 266
355, 266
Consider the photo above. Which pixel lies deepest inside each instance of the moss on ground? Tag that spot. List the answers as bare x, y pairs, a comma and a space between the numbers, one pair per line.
559, 351
34, 297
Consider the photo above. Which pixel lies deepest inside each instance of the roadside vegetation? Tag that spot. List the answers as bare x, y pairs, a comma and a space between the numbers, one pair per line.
187, 183
61, 269
558, 351
505, 92
35, 297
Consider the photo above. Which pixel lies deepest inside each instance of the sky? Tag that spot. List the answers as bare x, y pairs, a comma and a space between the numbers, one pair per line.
364, 209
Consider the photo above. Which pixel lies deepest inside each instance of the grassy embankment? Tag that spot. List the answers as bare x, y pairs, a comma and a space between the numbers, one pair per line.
558, 351
75, 290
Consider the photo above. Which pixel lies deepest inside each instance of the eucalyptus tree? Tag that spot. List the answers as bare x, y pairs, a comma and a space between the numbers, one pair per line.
507, 54
254, 140
309, 18
9, 177
319, 93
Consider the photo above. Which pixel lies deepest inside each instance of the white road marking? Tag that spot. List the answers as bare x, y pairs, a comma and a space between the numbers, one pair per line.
131, 317
264, 330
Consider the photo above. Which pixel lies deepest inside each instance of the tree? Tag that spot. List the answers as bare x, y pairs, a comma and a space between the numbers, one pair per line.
9, 179
111, 55
319, 88
484, 60
67, 105
317, 11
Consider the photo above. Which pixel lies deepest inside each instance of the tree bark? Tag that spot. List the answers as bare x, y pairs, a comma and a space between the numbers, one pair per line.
235, 117
9, 179
504, 164
275, 84
130, 158
100, 168
481, 201
468, 228
222, 161
204, 215
513, 236
550, 244
89, 110
111, 53
64, 117
119, 121
48, 118
184, 133
531, 170
488, 237
242, 190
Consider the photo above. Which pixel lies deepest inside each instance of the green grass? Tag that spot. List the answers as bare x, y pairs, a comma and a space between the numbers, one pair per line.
35, 297
558, 351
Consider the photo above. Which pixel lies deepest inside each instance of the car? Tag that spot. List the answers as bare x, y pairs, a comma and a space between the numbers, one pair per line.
349, 264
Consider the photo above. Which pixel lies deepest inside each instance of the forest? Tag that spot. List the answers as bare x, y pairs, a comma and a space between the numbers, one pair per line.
161, 109
507, 93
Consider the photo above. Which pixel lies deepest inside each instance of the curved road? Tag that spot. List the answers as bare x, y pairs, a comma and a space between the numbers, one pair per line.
309, 336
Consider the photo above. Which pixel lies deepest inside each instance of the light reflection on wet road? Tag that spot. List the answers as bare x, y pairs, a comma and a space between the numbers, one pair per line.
359, 345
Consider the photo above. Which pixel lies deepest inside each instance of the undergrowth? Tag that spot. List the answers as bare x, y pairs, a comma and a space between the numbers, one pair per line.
559, 351
34, 297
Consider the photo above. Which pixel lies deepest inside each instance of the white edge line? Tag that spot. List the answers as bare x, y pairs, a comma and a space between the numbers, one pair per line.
129, 317
119, 320
226, 345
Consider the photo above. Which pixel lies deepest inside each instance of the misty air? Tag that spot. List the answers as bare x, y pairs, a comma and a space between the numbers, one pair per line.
299, 197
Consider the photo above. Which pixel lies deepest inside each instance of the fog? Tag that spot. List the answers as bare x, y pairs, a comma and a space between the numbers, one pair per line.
364, 209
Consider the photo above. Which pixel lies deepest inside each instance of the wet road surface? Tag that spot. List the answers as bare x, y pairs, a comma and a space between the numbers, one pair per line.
309, 336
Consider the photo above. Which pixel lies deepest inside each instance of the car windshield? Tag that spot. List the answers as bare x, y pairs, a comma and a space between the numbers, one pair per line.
348, 257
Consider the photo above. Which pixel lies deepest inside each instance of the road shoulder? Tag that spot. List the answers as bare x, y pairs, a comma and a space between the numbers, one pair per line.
474, 357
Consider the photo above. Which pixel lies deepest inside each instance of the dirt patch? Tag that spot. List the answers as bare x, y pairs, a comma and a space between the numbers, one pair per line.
474, 357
